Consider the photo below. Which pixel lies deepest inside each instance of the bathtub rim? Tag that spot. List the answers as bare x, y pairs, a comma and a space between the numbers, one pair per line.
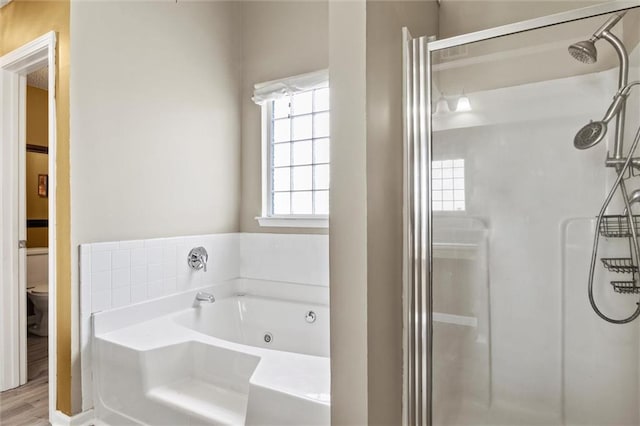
106, 321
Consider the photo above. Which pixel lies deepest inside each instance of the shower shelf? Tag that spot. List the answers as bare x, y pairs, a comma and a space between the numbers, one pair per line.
625, 287
619, 264
618, 226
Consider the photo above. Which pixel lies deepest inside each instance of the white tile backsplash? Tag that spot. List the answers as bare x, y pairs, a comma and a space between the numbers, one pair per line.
100, 281
101, 261
120, 278
138, 293
154, 272
154, 254
100, 300
292, 258
155, 290
169, 255
170, 285
138, 275
114, 274
131, 244
121, 259
138, 256
120, 297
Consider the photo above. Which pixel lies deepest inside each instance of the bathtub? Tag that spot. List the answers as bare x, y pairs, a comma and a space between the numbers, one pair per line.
255, 356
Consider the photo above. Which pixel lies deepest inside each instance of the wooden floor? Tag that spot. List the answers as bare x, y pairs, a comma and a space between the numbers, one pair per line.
28, 405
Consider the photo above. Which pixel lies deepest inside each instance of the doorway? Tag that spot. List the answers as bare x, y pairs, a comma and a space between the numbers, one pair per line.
27, 202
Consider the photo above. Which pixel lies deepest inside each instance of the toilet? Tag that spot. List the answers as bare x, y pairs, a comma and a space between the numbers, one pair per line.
38, 288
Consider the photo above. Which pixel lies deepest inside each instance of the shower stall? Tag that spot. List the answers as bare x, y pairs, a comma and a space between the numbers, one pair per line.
522, 196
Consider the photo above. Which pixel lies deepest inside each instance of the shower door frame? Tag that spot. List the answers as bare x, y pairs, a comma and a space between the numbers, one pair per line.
418, 140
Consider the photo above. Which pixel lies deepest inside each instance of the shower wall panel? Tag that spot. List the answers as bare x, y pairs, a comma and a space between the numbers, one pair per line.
600, 359
462, 368
524, 180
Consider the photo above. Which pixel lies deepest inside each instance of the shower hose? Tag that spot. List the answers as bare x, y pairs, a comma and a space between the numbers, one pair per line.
635, 247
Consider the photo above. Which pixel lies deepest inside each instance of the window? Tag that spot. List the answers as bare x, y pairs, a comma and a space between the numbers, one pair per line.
296, 152
299, 148
447, 185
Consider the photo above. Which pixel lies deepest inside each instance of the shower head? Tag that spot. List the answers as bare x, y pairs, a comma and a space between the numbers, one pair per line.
584, 51
590, 135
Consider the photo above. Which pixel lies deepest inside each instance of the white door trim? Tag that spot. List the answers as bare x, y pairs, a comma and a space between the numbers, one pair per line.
14, 66
22, 226
9, 331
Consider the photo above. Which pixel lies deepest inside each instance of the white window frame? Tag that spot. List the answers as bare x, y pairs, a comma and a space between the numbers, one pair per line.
267, 219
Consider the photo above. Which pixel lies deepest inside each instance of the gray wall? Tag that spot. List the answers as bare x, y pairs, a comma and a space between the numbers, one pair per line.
348, 231
155, 124
385, 20
366, 205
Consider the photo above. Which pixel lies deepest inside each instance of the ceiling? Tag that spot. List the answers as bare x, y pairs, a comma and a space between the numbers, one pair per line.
39, 79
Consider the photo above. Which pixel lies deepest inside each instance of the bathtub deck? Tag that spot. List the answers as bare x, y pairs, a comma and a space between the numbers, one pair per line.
29, 404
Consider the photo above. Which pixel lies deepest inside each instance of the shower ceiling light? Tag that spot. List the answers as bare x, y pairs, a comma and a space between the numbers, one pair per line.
442, 107
463, 103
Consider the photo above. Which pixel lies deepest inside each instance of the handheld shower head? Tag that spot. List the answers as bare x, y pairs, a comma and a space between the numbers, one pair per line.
595, 131
584, 51
590, 135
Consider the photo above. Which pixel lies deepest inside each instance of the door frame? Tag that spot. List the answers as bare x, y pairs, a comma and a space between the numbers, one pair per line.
14, 67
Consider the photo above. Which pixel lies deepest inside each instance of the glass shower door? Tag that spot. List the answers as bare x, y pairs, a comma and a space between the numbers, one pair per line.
513, 205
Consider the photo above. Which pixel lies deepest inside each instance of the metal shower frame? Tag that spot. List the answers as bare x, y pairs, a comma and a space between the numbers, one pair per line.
418, 256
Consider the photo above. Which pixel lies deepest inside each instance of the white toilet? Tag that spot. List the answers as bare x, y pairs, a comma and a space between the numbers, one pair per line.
38, 288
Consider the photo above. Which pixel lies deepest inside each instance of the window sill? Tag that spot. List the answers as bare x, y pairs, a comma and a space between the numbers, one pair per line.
294, 222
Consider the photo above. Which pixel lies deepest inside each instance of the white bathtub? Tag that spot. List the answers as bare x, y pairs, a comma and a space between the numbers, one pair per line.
167, 362
263, 322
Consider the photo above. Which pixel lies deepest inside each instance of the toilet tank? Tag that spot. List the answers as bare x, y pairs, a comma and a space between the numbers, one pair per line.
37, 265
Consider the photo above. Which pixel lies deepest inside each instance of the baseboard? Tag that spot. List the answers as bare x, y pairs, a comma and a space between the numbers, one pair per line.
81, 419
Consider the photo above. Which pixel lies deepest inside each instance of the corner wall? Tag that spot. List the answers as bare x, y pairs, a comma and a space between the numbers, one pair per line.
20, 23
366, 205
385, 20
348, 198
155, 123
